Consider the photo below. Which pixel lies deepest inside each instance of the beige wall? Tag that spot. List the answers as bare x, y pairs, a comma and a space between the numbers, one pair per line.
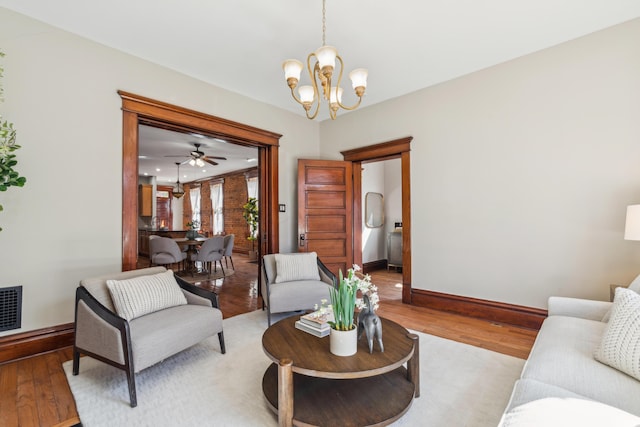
65, 224
521, 173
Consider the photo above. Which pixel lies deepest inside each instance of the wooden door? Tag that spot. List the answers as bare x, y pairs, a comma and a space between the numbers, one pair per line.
325, 211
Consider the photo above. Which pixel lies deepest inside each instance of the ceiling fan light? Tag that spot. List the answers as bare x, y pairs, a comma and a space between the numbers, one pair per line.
199, 163
192, 162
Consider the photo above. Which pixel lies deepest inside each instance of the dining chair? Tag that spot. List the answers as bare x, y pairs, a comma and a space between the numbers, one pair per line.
228, 249
211, 252
165, 251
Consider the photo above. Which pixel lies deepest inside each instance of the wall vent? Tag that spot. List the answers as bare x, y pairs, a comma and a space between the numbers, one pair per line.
10, 308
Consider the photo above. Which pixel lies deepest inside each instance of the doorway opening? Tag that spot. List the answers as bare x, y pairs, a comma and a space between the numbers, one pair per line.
140, 110
395, 149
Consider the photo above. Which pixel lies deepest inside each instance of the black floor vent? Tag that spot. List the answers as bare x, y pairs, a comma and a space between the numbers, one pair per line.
10, 308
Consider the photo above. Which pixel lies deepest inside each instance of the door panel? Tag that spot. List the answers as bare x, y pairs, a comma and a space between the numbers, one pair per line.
325, 212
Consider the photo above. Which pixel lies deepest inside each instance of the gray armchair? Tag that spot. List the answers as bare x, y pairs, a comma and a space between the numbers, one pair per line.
136, 344
165, 251
211, 252
282, 293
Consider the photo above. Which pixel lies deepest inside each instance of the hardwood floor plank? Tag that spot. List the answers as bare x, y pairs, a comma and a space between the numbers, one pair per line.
26, 401
45, 401
8, 392
66, 406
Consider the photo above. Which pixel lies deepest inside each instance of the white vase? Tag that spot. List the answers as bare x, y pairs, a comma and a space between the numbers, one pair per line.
343, 343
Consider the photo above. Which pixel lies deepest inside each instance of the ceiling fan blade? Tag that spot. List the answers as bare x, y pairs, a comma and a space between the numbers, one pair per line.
215, 157
211, 162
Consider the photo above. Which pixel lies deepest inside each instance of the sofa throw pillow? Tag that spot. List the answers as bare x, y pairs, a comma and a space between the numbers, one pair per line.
635, 285
145, 294
293, 267
620, 345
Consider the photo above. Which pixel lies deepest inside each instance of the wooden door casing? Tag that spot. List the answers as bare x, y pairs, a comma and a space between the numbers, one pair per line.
325, 211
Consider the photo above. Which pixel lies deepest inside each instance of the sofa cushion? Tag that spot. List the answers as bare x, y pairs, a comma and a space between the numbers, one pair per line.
161, 334
620, 344
142, 295
563, 356
535, 404
305, 294
296, 267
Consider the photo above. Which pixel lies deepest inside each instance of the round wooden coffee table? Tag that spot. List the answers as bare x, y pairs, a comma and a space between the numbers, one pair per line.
307, 385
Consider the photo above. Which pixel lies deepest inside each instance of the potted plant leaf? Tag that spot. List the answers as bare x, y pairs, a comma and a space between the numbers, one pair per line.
9, 177
250, 214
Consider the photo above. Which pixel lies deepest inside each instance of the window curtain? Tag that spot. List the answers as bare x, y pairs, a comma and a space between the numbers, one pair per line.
217, 203
194, 196
252, 187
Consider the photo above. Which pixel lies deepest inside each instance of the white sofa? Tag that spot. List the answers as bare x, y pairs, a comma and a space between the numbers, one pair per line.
562, 384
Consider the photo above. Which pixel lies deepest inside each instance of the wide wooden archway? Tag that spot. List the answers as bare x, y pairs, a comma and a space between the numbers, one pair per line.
138, 110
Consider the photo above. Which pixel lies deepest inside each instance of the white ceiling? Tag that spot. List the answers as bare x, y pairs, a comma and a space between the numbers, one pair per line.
156, 144
407, 45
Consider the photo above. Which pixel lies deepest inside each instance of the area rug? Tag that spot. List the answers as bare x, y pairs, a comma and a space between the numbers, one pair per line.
461, 385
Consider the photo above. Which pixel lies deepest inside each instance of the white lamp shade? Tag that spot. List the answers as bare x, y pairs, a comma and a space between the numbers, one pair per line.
306, 93
326, 56
336, 95
292, 68
359, 77
632, 226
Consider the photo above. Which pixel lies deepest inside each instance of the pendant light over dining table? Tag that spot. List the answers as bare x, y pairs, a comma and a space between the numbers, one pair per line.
323, 68
178, 192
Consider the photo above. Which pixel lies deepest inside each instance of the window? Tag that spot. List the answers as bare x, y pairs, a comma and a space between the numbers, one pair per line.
217, 204
194, 195
252, 187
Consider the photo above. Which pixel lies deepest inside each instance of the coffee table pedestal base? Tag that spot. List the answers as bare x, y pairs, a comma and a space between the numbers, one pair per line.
372, 401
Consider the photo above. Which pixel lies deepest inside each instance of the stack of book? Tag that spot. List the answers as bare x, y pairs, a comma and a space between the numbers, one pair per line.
316, 323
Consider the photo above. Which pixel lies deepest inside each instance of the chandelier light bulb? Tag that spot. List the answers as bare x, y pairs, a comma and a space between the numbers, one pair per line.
336, 95
292, 69
327, 57
359, 77
306, 94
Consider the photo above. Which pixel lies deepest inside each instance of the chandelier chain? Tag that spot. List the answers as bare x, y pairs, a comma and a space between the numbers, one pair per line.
324, 23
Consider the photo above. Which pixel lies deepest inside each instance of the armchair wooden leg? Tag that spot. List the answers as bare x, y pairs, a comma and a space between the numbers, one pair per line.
76, 361
223, 350
131, 380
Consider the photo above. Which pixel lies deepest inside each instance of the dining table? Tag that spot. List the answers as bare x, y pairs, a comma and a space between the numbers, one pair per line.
192, 249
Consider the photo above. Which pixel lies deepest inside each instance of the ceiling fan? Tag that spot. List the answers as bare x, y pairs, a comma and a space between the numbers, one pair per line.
198, 158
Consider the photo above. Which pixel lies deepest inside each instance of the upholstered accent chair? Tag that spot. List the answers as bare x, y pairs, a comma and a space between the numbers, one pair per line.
211, 252
293, 282
165, 251
135, 319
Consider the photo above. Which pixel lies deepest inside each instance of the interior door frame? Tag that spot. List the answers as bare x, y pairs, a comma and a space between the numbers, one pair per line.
394, 149
138, 110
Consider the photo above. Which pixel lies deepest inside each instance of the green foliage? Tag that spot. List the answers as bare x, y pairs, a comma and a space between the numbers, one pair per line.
343, 303
250, 214
9, 177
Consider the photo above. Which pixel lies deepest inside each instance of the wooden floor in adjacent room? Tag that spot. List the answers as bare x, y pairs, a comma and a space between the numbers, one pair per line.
34, 391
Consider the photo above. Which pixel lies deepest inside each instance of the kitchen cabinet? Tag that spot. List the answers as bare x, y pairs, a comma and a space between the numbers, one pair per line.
145, 200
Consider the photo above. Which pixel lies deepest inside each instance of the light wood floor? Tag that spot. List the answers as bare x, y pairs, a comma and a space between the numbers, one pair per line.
34, 391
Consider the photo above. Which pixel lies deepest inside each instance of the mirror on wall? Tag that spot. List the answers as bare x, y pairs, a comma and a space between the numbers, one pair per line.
374, 210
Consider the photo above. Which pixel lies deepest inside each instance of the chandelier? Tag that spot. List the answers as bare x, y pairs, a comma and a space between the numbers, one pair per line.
178, 192
323, 70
